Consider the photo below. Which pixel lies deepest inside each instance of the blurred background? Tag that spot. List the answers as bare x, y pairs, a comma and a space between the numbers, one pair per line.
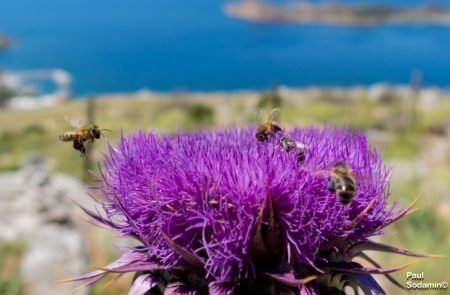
379, 66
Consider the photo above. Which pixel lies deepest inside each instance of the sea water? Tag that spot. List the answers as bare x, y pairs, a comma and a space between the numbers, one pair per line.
170, 45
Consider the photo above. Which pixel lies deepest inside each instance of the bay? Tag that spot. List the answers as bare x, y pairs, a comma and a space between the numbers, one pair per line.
168, 45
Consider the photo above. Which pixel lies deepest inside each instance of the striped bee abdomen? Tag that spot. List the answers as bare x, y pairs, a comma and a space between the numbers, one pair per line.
345, 188
68, 136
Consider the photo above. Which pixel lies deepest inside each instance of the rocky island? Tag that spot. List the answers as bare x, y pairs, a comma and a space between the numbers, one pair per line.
338, 14
5, 42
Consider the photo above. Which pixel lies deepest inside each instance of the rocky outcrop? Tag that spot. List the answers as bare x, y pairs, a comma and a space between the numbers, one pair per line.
340, 14
36, 207
5, 42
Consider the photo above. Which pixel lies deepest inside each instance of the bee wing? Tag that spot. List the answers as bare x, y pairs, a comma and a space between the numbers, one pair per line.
361, 178
273, 114
102, 134
301, 145
323, 173
74, 123
317, 172
259, 115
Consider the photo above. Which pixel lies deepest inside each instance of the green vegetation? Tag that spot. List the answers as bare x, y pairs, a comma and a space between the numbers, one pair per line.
423, 232
201, 114
270, 99
101, 253
10, 255
379, 11
403, 145
5, 94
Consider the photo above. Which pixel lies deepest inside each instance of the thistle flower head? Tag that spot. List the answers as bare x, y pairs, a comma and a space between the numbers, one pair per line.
220, 212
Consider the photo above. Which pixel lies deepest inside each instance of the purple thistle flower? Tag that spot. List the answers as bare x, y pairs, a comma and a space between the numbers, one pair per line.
220, 212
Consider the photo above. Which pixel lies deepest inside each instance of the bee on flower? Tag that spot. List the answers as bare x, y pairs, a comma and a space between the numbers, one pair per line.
213, 213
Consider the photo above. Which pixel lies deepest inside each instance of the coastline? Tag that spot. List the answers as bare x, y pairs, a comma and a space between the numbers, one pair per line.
336, 14
427, 96
313, 91
26, 97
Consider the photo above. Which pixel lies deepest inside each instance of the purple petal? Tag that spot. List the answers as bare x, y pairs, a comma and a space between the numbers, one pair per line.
93, 274
89, 282
134, 266
221, 288
96, 219
143, 284
307, 290
123, 261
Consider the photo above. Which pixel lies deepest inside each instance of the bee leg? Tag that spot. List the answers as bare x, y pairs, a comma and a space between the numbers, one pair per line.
331, 186
83, 151
261, 136
79, 146
277, 128
90, 138
76, 145
301, 157
287, 148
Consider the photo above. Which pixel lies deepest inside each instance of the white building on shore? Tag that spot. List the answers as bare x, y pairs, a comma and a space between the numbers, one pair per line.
28, 84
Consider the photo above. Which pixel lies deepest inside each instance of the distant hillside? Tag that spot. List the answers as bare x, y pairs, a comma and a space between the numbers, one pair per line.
342, 14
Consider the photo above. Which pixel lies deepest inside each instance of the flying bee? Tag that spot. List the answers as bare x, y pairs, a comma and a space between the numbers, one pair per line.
289, 144
342, 182
81, 134
269, 127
